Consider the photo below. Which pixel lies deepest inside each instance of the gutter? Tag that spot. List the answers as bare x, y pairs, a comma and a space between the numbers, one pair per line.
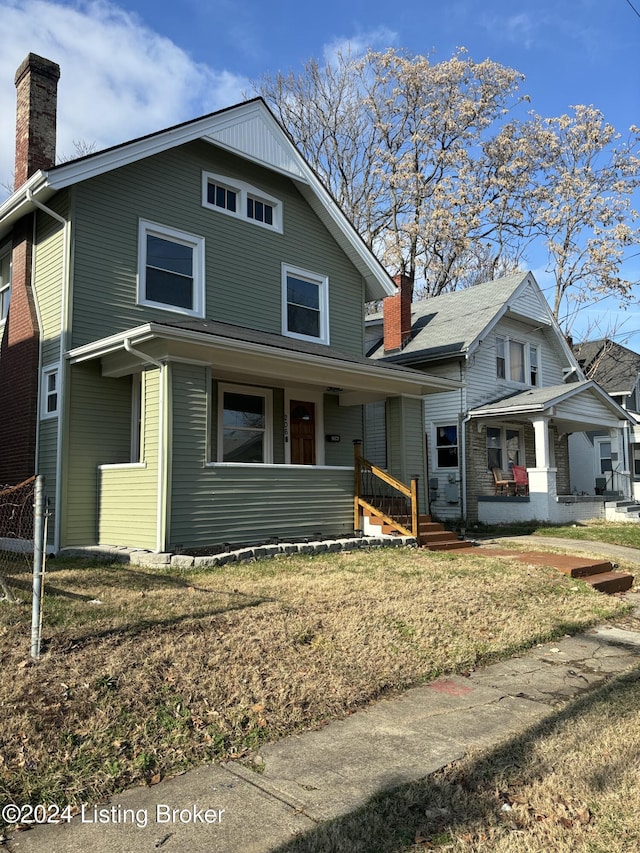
64, 326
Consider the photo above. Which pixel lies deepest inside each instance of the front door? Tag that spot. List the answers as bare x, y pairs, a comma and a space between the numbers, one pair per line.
302, 419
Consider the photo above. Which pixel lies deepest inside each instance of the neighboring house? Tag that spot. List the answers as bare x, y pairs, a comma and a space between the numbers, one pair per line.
597, 464
183, 338
522, 393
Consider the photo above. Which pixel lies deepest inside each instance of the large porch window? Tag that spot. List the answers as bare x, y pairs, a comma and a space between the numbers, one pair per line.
504, 448
245, 425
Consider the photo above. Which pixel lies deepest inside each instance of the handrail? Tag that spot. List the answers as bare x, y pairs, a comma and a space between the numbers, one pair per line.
409, 492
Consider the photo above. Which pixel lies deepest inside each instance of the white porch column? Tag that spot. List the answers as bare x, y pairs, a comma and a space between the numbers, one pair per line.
542, 478
619, 467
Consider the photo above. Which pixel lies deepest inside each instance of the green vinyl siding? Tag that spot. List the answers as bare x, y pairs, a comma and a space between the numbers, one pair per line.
345, 421
406, 442
49, 270
128, 494
241, 504
47, 454
243, 261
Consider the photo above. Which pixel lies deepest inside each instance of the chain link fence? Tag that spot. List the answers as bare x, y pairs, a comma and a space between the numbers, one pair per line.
16, 538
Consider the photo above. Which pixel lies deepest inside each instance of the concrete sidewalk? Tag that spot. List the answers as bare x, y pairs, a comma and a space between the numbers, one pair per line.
303, 780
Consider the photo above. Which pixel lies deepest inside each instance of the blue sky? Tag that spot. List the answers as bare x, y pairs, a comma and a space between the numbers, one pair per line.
138, 66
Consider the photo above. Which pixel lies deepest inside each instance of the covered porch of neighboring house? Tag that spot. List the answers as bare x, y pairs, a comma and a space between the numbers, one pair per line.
239, 436
517, 456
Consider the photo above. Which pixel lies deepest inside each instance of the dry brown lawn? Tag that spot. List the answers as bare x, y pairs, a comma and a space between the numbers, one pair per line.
147, 672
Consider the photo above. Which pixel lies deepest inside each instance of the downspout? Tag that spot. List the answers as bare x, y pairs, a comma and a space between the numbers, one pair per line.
463, 436
160, 508
64, 308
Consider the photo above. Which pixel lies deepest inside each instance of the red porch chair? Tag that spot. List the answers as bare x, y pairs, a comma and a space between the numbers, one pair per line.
521, 480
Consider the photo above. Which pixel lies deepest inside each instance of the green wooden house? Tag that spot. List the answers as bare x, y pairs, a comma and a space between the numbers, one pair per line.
183, 336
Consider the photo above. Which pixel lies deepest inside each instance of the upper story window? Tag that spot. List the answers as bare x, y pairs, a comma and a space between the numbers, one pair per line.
5, 284
305, 305
241, 200
171, 269
517, 362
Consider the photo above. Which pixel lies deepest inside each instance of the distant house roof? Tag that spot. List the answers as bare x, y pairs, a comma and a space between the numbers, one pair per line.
610, 364
452, 323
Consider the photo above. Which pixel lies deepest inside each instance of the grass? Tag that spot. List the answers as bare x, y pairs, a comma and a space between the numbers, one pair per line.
148, 672
614, 533
567, 785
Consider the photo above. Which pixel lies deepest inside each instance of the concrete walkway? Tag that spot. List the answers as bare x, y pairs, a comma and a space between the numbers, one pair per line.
303, 780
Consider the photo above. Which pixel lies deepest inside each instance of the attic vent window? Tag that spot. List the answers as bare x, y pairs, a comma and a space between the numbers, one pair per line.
241, 201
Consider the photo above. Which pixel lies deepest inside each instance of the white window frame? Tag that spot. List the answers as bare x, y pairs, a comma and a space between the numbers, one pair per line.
253, 391
243, 192
436, 446
5, 286
503, 355
197, 246
322, 282
46, 393
504, 466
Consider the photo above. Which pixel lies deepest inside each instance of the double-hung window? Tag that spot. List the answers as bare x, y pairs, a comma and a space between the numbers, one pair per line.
244, 424
305, 305
50, 392
517, 362
171, 269
5, 284
447, 446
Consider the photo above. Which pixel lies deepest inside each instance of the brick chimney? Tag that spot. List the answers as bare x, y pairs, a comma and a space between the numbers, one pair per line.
37, 95
396, 312
36, 84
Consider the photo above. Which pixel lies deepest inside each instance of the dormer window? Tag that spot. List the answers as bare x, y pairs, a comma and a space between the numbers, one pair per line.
242, 201
517, 362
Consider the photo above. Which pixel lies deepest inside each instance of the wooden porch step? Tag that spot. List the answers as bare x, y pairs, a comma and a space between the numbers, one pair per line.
610, 582
454, 544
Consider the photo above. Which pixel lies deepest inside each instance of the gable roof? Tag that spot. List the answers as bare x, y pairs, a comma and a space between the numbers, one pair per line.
453, 324
613, 366
249, 130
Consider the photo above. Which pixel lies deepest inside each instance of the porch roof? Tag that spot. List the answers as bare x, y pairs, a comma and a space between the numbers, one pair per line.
250, 355
576, 407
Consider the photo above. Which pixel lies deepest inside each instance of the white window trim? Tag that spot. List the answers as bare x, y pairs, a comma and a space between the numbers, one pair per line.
173, 234
243, 191
6, 252
267, 395
503, 444
50, 370
434, 445
323, 284
526, 345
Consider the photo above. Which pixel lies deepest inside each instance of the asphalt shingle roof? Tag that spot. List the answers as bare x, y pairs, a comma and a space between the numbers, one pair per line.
614, 367
450, 323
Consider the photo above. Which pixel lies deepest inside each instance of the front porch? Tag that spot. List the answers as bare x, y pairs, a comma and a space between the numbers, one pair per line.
532, 429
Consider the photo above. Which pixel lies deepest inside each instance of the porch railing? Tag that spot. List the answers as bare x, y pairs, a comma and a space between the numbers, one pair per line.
384, 496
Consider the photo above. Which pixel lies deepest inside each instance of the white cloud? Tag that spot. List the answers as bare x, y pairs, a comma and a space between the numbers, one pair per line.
519, 29
119, 79
378, 39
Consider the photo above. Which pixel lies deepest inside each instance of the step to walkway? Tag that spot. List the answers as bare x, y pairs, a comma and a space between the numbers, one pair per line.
599, 573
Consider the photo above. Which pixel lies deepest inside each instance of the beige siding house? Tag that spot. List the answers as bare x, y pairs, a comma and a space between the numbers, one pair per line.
522, 395
198, 326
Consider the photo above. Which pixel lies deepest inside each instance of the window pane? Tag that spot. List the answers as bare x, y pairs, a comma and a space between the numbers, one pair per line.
169, 255
300, 292
447, 457
516, 361
169, 289
303, 321
494, 448
243, 410
268, 214
513, 447
447, 435
242, 446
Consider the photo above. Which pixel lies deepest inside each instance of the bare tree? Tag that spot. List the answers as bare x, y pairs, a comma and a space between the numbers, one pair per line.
409, 149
